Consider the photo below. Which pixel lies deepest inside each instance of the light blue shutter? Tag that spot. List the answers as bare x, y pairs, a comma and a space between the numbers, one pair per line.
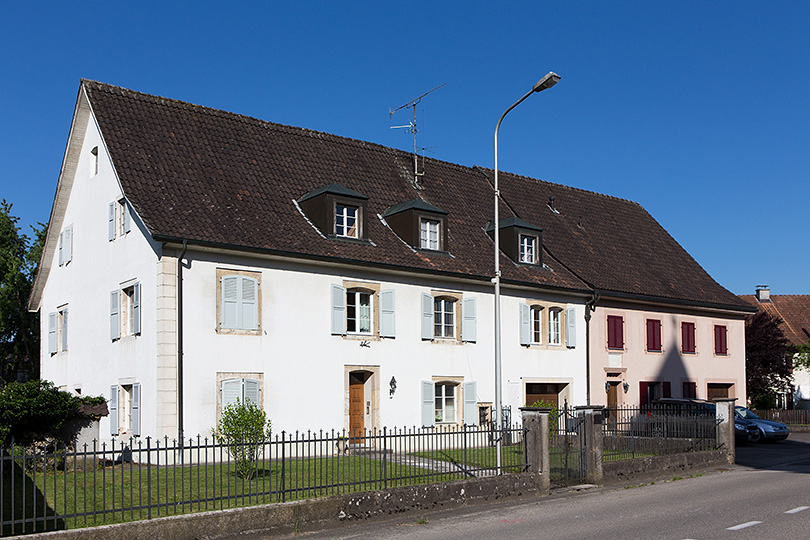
570, 327
387, 314
250, 303
427, 317
338, 310
61, 242
230, 302
470, 390
428, 412
231, 391
468, 319
66, 249
114, 409
115, 315
136, 409
111, 223
127, 218
251, 392
136, 308
64, 329
525, 324
52, 333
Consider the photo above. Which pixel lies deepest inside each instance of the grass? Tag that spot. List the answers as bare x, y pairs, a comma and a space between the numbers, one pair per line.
120, 493
479, 458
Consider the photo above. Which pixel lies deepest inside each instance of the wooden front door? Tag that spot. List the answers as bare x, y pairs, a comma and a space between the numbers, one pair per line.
613, 395
356, 407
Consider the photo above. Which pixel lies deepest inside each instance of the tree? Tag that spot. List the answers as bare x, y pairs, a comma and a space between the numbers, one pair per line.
19, 328
769, 359
243, 428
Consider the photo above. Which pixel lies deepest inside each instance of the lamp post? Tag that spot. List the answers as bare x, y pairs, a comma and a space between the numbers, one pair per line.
549, 80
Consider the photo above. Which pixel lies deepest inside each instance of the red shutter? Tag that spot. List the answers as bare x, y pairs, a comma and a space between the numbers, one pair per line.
720, 342
688, 337
654, 335
615, 332
643, 395
667, 388
689, 390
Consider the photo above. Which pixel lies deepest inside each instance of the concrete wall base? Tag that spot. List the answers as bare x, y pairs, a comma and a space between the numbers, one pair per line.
617, 472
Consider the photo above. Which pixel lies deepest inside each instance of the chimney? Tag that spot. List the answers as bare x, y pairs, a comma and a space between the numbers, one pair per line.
763, 293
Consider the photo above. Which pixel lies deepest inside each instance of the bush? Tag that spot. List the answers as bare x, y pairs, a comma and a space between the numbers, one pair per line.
36, 411
553, 415
243, 427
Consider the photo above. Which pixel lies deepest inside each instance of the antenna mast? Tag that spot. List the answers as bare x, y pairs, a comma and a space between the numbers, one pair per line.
410, 127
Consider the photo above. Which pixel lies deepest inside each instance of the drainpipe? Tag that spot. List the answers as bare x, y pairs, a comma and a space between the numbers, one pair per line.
180, 343
590, 306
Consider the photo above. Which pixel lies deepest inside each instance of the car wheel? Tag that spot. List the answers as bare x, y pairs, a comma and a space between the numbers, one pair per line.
757, 437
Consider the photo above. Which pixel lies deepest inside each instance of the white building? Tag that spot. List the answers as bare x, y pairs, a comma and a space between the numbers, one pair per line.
196, 256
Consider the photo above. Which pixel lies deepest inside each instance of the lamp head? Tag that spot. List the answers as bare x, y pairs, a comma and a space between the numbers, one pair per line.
549, 80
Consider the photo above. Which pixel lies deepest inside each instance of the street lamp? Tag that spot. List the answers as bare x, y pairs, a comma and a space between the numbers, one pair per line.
549, 80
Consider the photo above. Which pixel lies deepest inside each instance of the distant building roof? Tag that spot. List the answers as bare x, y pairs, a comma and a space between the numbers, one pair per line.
793, 309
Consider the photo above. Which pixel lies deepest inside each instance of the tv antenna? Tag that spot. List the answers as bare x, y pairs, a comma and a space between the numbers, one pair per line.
410, 127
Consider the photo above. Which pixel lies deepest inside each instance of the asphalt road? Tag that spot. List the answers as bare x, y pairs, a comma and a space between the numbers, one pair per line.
765, 495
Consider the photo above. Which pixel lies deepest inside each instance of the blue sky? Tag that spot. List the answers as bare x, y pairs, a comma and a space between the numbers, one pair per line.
696, 110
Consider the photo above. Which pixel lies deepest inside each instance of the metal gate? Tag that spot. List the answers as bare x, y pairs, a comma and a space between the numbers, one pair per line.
567, 448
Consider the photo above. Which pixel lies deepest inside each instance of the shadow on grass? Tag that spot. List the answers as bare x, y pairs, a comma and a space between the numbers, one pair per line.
25, 508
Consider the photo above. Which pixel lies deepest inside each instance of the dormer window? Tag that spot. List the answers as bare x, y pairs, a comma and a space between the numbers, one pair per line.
418, 224
528, 248
520, 241
336, 211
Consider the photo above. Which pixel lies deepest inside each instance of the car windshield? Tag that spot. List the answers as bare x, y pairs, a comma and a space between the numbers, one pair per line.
745, 413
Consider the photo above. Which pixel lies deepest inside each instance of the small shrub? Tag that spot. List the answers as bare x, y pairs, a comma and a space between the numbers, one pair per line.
243, 427
553, 416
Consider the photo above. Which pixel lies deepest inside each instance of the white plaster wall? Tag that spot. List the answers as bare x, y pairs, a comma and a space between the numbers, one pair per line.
93, 362
801, 385
703, 367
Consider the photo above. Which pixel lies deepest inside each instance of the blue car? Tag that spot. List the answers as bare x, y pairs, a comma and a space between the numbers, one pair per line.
768, 429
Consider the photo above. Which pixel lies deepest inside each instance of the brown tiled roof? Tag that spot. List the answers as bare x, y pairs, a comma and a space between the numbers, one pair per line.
219, 178
793, 309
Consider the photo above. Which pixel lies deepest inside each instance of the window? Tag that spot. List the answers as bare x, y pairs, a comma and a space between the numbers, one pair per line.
239, 301
615, 332
689, 389
653, 335
65, 246
346, 221
358, 312
125, 409
441, 321
649, 391
443, 318
688, 337
429, 234
125, 311
537, 324
720, 340
554, 316
449, 401
241, 390
445, 402
118, 220
58, 330
528, 249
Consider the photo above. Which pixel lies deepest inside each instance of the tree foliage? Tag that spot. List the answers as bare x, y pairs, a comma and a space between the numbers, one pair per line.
36, 411
243, 427
19, 329
768, 363
802, 358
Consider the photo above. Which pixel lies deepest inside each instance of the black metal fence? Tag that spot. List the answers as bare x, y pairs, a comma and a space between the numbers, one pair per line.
58, 488
631, 432
567, 447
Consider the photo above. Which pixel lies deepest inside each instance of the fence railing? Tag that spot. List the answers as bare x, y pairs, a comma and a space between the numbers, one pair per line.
149, 478
631, 432
794, 416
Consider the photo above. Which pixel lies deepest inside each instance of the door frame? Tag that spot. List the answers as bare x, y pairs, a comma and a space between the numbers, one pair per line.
371, 396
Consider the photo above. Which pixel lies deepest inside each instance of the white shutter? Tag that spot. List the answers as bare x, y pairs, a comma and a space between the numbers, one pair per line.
52, 318
338, 310
61, 242
468, 331
231, 391
113, 405
111, 223
525, 324
428, 412
250, 303
387, 314
64, 313
66, 249
427, 317
115, 315
251, 392
127, 217
136, 409
570, 327
230, 302
136, 308
470, 390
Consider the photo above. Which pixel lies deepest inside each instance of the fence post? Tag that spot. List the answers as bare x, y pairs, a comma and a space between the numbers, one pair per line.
724, 411
592, 419
537, 445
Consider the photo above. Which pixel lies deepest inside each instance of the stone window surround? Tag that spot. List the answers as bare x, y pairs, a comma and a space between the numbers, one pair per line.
222, 272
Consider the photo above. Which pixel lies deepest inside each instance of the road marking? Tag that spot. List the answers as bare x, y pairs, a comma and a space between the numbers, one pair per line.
797, 510
743, 525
